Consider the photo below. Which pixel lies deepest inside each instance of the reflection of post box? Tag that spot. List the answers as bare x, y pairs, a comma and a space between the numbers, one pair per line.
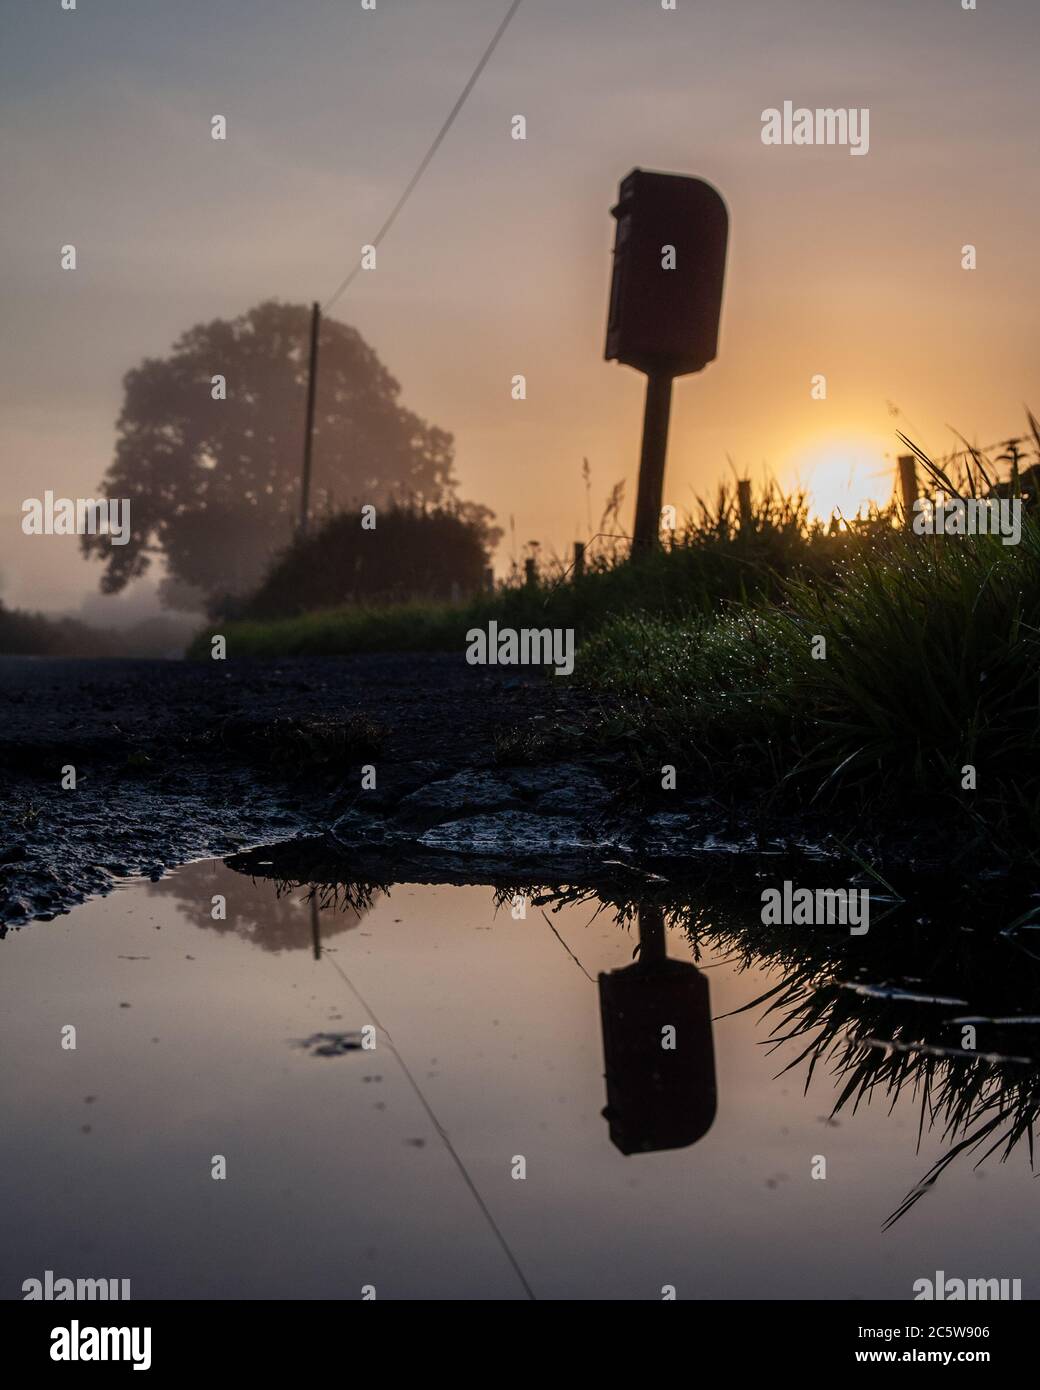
658, 1054
665, 320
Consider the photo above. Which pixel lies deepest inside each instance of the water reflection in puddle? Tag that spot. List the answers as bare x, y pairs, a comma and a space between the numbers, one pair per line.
498, 1050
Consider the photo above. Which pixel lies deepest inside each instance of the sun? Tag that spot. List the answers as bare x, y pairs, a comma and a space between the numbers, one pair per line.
841, 474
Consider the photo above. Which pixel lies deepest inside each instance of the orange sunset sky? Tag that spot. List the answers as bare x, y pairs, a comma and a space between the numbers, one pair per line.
500, 263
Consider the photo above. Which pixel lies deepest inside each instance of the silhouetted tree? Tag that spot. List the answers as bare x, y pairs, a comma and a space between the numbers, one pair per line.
214, 485
438, 552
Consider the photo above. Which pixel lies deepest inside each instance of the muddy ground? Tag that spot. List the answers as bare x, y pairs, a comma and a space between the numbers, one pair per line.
175, 760
476, 777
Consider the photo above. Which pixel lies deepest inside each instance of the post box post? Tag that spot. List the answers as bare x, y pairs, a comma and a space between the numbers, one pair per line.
651, 462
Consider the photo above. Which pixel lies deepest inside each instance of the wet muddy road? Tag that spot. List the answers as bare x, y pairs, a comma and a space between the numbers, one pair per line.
410, 765
174, 760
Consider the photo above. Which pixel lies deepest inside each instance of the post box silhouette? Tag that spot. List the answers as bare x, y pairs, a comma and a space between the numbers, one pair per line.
665, 302
666, 320
658, 1096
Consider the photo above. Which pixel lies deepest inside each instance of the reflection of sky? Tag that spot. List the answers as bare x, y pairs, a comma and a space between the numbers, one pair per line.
849, 267
328, 1190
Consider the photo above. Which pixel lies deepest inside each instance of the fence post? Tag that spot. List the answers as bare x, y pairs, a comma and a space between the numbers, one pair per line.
579, 559
744, 503
530, 572
908, 486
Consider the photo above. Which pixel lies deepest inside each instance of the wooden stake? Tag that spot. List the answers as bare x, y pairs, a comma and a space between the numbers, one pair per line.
744, 503
908, 485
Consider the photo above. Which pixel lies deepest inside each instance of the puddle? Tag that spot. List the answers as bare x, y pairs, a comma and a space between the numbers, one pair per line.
245, 1038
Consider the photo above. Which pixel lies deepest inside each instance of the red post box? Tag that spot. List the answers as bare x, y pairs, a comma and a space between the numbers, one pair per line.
667, 319
665, 303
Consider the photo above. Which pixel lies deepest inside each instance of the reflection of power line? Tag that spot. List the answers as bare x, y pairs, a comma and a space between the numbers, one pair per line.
438, 138
563, 943
445, 1139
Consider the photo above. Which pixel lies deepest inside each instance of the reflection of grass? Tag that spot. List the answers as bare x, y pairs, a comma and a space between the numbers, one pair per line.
884, 1048
306, 864
838, 1004
840, 1001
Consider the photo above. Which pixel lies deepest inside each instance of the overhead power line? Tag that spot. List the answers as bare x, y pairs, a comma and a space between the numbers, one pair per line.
348, 279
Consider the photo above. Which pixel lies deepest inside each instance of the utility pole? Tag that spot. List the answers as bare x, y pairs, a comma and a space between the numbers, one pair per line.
308, 438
